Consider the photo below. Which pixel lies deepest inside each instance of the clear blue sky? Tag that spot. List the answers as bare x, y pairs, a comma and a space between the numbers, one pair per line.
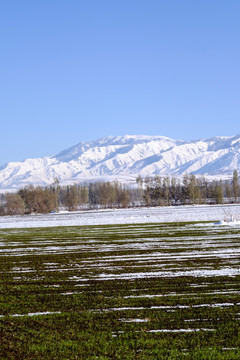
76, 70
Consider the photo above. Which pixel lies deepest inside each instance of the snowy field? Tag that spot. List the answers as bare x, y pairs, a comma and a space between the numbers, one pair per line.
167, 289
124, 216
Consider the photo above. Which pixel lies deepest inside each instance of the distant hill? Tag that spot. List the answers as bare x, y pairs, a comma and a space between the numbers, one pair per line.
125, 157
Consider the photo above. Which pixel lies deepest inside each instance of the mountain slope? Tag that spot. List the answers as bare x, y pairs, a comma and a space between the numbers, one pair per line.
125, 156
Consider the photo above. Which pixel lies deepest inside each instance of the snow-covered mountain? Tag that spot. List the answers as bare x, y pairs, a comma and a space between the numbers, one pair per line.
125, 157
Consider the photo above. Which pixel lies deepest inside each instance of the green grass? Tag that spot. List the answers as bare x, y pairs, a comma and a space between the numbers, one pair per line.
95, 281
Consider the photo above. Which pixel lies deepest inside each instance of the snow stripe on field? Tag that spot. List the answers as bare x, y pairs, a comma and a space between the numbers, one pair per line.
32, 314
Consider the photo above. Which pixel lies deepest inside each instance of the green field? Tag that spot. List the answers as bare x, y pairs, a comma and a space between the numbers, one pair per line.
146, 291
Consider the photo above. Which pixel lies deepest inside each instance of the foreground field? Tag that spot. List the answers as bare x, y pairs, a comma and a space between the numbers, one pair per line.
143, 291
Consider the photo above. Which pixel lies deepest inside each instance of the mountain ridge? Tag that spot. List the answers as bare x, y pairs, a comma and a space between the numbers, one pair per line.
126, 156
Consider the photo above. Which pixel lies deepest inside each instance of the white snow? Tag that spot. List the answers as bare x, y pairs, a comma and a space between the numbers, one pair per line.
134, 320
161, 274
166, 307
178, 330
124, 216
123, 158
33, 314
114, 334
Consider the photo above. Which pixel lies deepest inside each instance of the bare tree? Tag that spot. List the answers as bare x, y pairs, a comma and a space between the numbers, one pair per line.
14, 204
235, 185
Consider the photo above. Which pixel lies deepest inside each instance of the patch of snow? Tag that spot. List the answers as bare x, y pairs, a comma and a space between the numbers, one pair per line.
178, 330
123, 216
134, 320
32, 314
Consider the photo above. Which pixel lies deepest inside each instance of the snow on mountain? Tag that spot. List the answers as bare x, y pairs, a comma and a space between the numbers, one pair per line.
126, 156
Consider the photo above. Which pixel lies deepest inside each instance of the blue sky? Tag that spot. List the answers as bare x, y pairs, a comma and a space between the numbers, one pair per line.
75, 70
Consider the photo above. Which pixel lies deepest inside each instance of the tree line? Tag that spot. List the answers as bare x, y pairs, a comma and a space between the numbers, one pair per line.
150, 191
30, 199
190, 190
